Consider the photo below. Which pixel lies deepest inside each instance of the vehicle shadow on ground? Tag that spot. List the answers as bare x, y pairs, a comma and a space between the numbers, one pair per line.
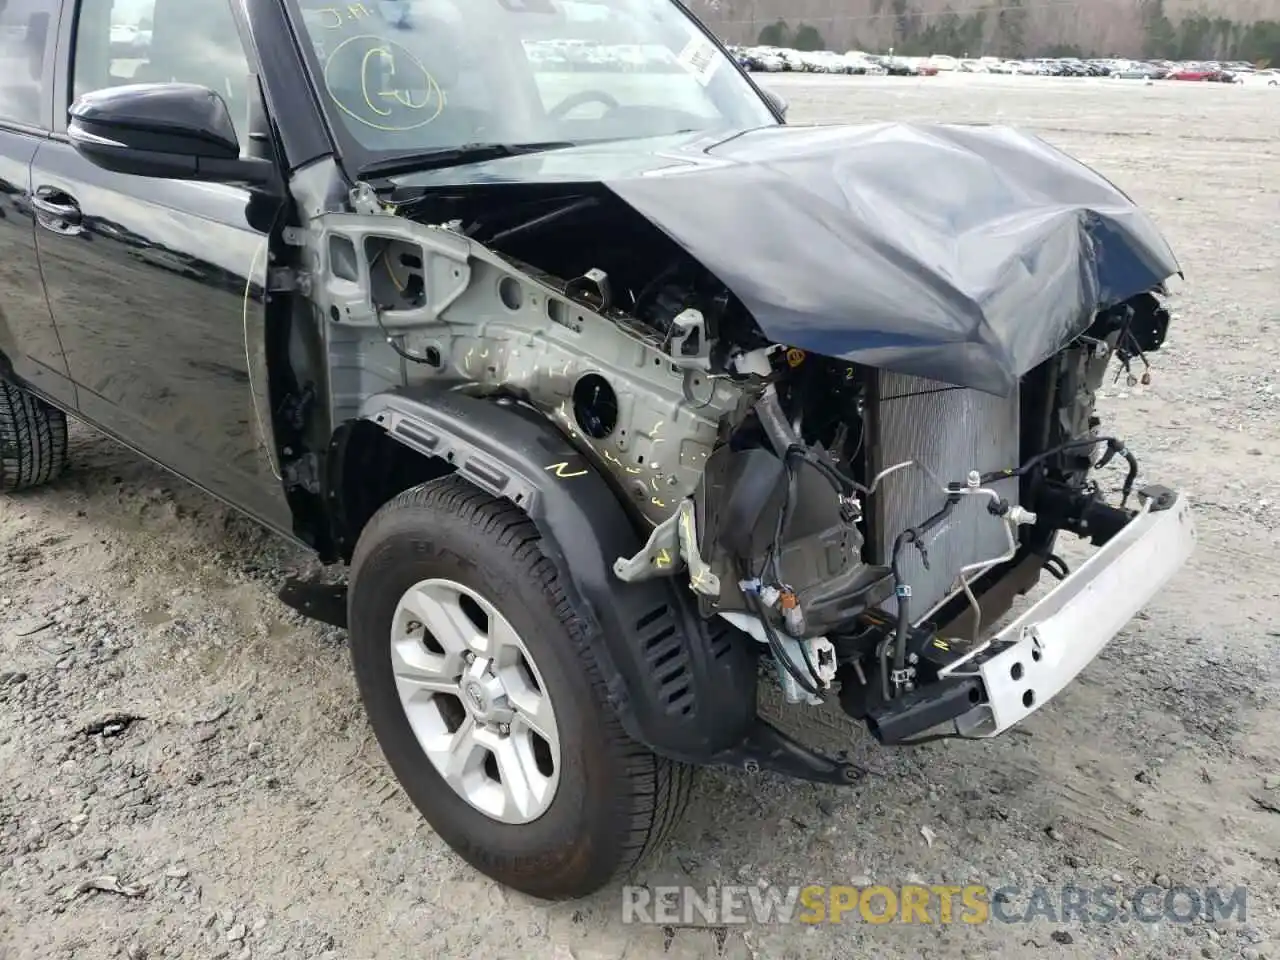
131, 495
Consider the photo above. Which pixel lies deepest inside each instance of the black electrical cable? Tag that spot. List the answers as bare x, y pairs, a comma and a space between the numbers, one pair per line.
771, 559
1057, 566
843, 483
784, 518
903, 594
400, 351
808, 661
910, 536
1114, 447
840, 480
1039, 458
775, 643
914, 535
377, 315
1124, 342
783, 438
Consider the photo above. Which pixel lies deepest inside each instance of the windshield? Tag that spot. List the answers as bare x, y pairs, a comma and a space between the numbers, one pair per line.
408, 76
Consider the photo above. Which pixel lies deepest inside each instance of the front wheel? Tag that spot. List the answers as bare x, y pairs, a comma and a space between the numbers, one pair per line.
486, 702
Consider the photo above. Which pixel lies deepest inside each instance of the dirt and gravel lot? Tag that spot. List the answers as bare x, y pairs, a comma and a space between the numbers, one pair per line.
166, 722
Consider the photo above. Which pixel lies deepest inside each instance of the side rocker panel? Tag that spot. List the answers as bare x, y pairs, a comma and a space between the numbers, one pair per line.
684, 687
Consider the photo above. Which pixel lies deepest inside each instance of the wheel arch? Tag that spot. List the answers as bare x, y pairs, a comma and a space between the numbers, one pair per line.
684, 687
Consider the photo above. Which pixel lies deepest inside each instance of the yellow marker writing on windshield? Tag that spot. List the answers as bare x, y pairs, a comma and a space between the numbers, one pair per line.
385, 55
401, 97
334, 18
394, 58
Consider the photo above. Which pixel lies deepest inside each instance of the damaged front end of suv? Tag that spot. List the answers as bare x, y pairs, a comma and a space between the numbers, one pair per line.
818, 399
842, 379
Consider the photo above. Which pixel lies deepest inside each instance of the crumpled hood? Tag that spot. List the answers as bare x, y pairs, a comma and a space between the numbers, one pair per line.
967, 254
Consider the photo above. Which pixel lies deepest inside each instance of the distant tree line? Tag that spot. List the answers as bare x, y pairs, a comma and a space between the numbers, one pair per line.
803, 37
1206, 38
1004, 32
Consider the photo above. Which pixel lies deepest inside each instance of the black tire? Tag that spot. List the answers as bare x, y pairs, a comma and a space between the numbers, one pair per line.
33, 440
615, 801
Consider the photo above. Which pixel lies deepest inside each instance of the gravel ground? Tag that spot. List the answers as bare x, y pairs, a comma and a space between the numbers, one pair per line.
186, 771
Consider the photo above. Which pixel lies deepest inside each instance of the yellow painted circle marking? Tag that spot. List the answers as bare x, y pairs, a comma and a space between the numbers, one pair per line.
387, 51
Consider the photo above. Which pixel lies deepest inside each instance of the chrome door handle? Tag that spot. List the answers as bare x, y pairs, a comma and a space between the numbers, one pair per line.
68, 212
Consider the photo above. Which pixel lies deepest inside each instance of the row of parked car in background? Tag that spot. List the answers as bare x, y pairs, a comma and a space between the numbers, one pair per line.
778, 60
129, 40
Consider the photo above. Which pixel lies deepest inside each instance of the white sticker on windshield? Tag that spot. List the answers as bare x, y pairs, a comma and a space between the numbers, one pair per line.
701, 58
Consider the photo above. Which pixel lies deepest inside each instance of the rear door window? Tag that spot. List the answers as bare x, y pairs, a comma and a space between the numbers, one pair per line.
26, 37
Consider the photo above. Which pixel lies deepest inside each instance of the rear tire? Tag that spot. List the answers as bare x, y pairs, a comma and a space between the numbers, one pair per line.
610, 799
33, 440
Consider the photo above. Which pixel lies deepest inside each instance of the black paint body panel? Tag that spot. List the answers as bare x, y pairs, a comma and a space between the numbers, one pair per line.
29, 344
961, 253
148, 293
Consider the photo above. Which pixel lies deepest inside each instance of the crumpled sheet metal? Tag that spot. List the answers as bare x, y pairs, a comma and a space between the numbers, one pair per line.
967, 254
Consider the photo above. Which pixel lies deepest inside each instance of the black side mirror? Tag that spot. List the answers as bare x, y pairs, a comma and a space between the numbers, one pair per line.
179, 131
776, 101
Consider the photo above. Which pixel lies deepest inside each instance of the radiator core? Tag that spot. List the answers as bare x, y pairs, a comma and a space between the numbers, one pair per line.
952, 430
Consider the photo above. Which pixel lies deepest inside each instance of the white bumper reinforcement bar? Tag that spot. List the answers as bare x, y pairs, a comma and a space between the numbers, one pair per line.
1045, 648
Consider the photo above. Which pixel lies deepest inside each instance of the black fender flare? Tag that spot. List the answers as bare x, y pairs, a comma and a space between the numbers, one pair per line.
684, 687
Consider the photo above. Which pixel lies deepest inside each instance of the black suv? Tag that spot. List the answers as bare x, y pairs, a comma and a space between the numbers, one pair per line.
620, 399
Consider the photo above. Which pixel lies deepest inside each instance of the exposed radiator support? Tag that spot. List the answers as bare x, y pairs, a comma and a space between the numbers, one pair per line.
952, 430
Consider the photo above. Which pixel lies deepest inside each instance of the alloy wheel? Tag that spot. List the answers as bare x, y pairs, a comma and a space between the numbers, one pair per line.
475, 700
